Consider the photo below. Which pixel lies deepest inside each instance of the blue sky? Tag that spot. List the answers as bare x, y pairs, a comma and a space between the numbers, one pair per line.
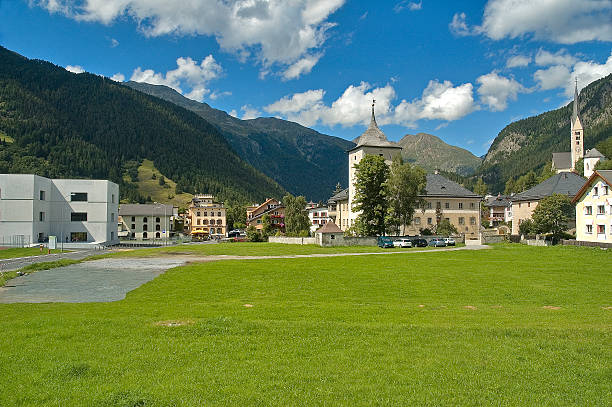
461, 70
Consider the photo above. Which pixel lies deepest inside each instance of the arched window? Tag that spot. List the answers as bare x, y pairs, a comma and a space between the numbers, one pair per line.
157, 227
144, 227
144, 220
205, 221
157, 220
157, 235
144, 235
219, 222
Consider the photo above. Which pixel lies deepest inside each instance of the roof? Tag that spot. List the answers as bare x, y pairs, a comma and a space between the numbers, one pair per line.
329, 227
340, 196
564, 183
374, 137
145, 210
499, 200
606, 175
562, 161
437, 185
593, 153
266, 212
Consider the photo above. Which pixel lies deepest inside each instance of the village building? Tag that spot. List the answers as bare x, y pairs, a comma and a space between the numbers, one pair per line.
207, 218
591, 158
338, 211
498, 209
318, 217
32, 208
594, 208
524, 203
565, 162
271, 207
146, 221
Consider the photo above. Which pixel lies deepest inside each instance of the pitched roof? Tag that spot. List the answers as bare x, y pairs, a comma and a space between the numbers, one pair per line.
564, 183
593, 153
145, 210
340, 196
329, 227
562, 161
437, 185
499, 200
606, 175
374, 137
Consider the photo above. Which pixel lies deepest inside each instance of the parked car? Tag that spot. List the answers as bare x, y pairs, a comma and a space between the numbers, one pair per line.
437, 242
385, 242
402, 243
419, 243
449, 241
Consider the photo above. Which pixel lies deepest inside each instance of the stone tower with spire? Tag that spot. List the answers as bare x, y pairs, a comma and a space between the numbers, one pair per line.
373, 142
577, 137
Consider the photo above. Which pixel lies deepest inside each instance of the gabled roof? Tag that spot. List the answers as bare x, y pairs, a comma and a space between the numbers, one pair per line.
145, 210
437, 185
267, 211
374, 137
606, 175
564, 183
340, 196
593, 153
562, 161
499, 200
329, 227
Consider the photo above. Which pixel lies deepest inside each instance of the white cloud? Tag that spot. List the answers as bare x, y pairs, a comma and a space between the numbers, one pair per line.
458, 26
561, 21
249, 112
217, 95
561, 57
233, 113
518, 61
114, 43
406, 4
188, 74
303, 66
496, 90
118, 77
75, 68
440, 101
274, 31
561, 76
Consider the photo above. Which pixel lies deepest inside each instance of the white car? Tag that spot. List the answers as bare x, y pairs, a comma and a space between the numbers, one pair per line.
402, 243
449, 241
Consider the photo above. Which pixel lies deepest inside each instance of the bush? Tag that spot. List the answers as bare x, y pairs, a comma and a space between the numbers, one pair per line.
526, 227
253, 235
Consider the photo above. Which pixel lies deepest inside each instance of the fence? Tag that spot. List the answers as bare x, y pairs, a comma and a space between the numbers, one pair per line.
15, 241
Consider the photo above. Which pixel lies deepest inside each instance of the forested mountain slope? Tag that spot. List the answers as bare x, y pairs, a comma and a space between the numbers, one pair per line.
302, 160
58, 124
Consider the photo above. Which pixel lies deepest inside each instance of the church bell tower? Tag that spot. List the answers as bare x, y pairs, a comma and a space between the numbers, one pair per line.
577, 132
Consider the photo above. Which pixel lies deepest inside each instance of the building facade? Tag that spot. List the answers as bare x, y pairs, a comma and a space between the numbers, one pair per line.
207, 218
318, 217
271, 207
594, 208
32, 208
146, 221
338, 211
591, 158
498, 209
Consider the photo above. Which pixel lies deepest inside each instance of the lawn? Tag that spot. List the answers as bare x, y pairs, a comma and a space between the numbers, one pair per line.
23, 252
514, 325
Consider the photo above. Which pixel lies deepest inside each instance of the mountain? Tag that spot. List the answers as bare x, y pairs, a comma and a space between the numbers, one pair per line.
63, 125
528, 144
430, 153
301, 160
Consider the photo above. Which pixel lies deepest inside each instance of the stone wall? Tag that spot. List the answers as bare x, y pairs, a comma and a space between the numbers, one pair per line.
333, 239
588, 244
291, 240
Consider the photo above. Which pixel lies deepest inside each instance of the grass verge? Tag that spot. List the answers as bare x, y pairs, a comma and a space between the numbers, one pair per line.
24, 252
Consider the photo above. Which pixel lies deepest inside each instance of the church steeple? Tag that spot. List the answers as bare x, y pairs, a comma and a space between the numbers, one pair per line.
373, 120
577, 132
575, 113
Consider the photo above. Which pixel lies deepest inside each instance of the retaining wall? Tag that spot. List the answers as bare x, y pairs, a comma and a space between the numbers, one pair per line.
291, 240
587, 244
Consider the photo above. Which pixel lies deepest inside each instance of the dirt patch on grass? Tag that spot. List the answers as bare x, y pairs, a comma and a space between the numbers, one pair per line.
608, 308
470, 307
248, 305
551, 307
174, 323
496, 306
421, 306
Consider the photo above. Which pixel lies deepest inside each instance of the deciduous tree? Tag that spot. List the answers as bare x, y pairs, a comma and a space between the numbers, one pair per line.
552, 214
371, 195
405, 188
296, 217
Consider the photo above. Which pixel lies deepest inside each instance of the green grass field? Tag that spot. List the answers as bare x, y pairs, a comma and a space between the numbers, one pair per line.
514, 325
23, 252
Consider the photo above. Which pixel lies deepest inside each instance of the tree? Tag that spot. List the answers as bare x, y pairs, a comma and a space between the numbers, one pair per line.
552, 214
162, 181
510, 187
296, 217
371, 195
526, 227
547, 171
405, 188
445, 228
267, 229
235, 215
481, 188
604, 165
526, 182
253, 235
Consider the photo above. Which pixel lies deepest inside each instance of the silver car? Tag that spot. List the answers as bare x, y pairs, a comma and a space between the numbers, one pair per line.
402, 243
449, 241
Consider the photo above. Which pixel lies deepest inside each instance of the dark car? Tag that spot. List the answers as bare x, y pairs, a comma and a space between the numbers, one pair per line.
385, 242
437, 242
419, 243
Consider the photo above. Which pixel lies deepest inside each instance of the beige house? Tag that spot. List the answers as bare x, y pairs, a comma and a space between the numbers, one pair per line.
338, 209
594, 208
447, 200
524, 203
207, 217
145, 221
271, 207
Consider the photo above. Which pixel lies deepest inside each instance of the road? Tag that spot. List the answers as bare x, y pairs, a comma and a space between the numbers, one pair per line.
19, 262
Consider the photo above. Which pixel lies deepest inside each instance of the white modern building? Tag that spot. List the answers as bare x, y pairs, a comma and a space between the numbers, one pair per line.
318, 217
32, 208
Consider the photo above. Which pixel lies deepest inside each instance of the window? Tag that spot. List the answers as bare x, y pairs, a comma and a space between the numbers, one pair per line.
78, 196
601, 229
462, 221
133, 226
519, 204
157, 235
417, 221
577, 137
42, 195
205, 214
78, 236
219, 222
595, 191
605, 190
113, 198
78, 216
41, 216
157, 220
112, 235
199, 221
601, 210
133, 220
198, 213
589, 229
145, 235
219, 214
219, 230
472, 220
204, 221
529, 204
144, 220
145, 227
428, 205
258, 221
429, 221
446, 205
438, 205
472, 205
577, 133
460, 205
157, 227
588, 210
447, 219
